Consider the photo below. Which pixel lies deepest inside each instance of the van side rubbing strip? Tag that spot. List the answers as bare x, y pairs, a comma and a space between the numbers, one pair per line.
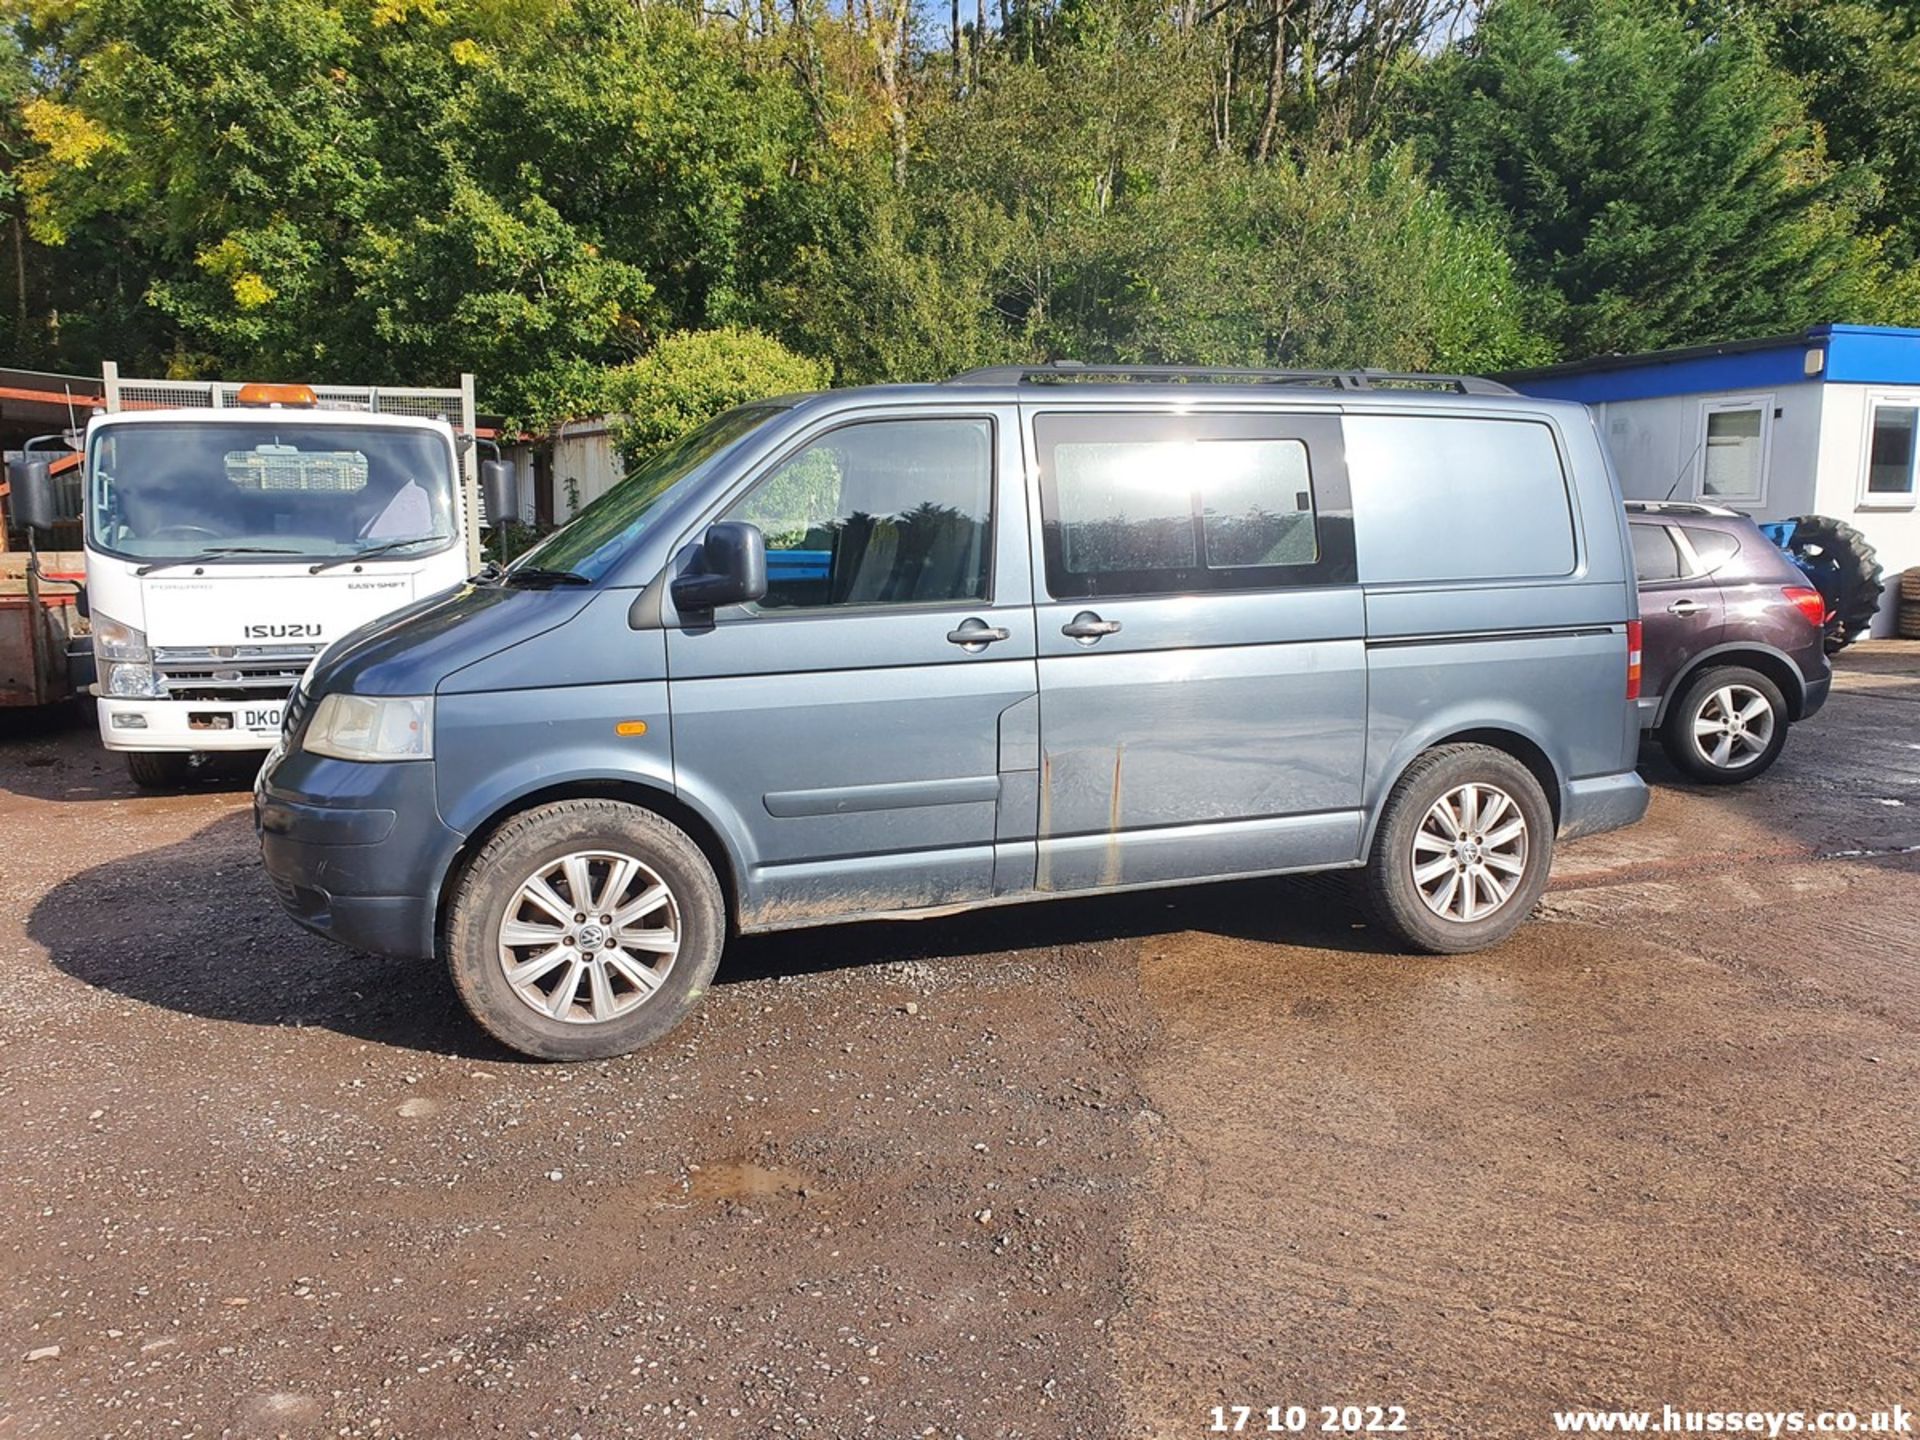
988, 660
1460, 636
849, 799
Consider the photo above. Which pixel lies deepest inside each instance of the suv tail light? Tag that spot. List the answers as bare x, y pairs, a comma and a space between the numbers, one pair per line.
1808, 602
1633, 659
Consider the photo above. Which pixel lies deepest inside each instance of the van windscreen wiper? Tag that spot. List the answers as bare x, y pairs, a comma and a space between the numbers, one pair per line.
214, 554
372, 550
538, 578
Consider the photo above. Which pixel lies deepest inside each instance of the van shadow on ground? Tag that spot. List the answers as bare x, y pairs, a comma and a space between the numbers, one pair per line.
193, 927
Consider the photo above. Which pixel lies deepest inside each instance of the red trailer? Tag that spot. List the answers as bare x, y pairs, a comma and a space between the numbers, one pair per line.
39, 617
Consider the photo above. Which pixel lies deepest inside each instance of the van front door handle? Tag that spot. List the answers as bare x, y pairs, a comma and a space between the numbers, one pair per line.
1087, 627
975, 634
1685, 607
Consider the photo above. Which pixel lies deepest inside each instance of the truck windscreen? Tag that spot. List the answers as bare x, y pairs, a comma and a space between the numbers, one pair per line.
260, 488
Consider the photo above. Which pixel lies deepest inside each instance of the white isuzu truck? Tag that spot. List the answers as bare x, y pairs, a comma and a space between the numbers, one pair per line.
232, 531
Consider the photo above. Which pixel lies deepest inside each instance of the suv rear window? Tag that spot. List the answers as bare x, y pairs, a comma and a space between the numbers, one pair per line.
1714, 547
1655, 556
1441, 497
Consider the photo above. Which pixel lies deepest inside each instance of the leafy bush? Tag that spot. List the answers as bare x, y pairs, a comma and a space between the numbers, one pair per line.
690, 377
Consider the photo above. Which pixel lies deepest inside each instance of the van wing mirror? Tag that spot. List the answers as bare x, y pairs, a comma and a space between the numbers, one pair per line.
731, 568
34, 502
500, 485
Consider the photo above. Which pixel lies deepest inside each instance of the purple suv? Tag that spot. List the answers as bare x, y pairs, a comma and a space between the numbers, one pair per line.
1731, 649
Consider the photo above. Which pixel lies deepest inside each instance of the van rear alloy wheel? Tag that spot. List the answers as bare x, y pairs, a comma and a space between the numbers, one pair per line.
1469, 852
585, 929
1462, 850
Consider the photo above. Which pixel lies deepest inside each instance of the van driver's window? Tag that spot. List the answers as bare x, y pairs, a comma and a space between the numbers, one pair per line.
888, 512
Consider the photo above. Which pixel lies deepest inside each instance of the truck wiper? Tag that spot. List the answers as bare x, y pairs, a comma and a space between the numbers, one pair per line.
537, 578
367, 554
214, 554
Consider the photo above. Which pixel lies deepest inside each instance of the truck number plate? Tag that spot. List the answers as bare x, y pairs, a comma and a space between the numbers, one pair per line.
265, 717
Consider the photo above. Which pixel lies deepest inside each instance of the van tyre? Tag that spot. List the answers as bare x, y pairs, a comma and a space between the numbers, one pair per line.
584, 929
158, 770
1726, 726
1462, 850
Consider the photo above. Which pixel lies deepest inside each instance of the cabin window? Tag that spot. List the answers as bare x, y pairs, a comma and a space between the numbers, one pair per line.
1890, 453
1734, 438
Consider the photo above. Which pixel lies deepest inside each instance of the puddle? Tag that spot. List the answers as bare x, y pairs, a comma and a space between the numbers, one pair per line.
282, 1413
743, 1180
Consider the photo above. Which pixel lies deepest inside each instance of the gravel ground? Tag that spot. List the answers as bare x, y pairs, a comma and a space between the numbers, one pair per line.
1084, 1169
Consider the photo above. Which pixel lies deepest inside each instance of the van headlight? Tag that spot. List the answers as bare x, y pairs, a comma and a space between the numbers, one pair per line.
125, 662
371, 727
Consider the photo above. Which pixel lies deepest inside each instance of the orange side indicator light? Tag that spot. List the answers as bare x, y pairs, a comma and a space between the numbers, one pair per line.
630, 727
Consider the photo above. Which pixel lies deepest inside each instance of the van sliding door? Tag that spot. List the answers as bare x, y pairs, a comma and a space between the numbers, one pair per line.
1201, 643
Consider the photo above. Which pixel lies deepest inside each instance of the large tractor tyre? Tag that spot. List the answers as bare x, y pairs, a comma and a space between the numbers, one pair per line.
1846, 569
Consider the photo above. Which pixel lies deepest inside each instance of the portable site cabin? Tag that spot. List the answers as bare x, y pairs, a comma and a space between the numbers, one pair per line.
1820, 423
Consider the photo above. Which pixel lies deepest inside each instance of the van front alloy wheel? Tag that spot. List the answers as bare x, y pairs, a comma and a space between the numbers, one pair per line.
584, 929
590, 937
1462, 850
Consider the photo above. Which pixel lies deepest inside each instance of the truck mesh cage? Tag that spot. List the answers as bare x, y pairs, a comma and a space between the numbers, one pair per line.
421, 404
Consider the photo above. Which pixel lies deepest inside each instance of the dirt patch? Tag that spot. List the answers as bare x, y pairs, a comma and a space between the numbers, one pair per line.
1078, 1169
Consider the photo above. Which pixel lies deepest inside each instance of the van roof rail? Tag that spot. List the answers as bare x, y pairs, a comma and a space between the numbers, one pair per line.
1056, 371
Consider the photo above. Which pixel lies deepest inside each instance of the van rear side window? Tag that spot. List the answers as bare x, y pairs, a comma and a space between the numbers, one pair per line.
1444, 498
1181, 504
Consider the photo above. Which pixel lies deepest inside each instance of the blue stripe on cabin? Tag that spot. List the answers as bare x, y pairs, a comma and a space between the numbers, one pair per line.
1847, 354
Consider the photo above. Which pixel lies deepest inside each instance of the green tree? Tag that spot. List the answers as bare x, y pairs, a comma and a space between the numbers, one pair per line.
1657, 182
410, 188
1858, 62
1083, 207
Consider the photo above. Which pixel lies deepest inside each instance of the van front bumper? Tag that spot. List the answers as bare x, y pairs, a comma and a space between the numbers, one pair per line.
355, 851
1602, 802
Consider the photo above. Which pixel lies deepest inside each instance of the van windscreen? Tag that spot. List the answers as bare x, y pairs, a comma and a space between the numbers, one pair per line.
597, 537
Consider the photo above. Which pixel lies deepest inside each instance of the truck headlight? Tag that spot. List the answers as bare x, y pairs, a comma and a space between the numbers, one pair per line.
371, 727
122, 680
125, 662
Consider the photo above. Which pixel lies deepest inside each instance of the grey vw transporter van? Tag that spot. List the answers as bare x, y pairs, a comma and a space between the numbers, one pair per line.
1026, 633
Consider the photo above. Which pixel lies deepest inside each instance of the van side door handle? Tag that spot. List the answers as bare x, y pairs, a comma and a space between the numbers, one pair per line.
974, 634
1685, 607
1087, 627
